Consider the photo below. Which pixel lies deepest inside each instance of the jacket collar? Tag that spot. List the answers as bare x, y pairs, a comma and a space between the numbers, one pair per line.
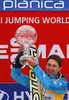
57, 76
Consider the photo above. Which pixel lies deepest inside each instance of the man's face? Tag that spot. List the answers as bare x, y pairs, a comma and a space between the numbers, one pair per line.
52, 67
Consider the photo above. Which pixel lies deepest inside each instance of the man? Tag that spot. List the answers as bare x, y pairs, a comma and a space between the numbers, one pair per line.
53, 83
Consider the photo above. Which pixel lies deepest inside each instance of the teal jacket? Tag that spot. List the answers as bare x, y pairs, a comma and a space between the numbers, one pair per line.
59, 86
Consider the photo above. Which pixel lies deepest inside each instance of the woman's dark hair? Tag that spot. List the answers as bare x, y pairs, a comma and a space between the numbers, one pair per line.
57, 58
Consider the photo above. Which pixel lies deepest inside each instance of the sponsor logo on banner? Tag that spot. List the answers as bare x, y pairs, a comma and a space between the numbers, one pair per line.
29, 4
14, 92
3, 95
17, 91
26, 4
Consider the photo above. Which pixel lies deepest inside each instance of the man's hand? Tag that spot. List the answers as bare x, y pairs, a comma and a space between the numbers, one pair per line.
20, 49
16, 63
32, 62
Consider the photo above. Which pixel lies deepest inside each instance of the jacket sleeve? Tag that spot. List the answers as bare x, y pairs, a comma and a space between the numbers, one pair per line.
19, 77
59, 86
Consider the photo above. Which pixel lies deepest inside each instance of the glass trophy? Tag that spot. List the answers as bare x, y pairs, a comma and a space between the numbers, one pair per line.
25, 35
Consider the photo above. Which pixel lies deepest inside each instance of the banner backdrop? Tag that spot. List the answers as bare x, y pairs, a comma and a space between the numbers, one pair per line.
53, 37
33, 5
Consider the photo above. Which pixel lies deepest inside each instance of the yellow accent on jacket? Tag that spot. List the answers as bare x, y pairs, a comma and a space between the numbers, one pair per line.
57, 96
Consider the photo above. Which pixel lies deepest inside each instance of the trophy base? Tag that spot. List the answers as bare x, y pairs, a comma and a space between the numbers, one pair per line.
23, 60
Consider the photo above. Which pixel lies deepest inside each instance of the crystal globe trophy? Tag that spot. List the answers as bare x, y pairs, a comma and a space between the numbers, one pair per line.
25, 35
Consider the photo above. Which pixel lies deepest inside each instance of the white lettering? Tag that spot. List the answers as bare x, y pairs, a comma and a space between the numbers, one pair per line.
57, 50
24, 3
58, 20
67, 18
1, 20
41, 3
42, 49
68, 95
18, 97
53, 20
67, 51
17, 20
63, 20
4, 55
22, 20
61, 3
35, 2
14, 49
45, 4
21, 97
28, 95
15, 3
13, 42
46, 19
6, 2
12, 58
